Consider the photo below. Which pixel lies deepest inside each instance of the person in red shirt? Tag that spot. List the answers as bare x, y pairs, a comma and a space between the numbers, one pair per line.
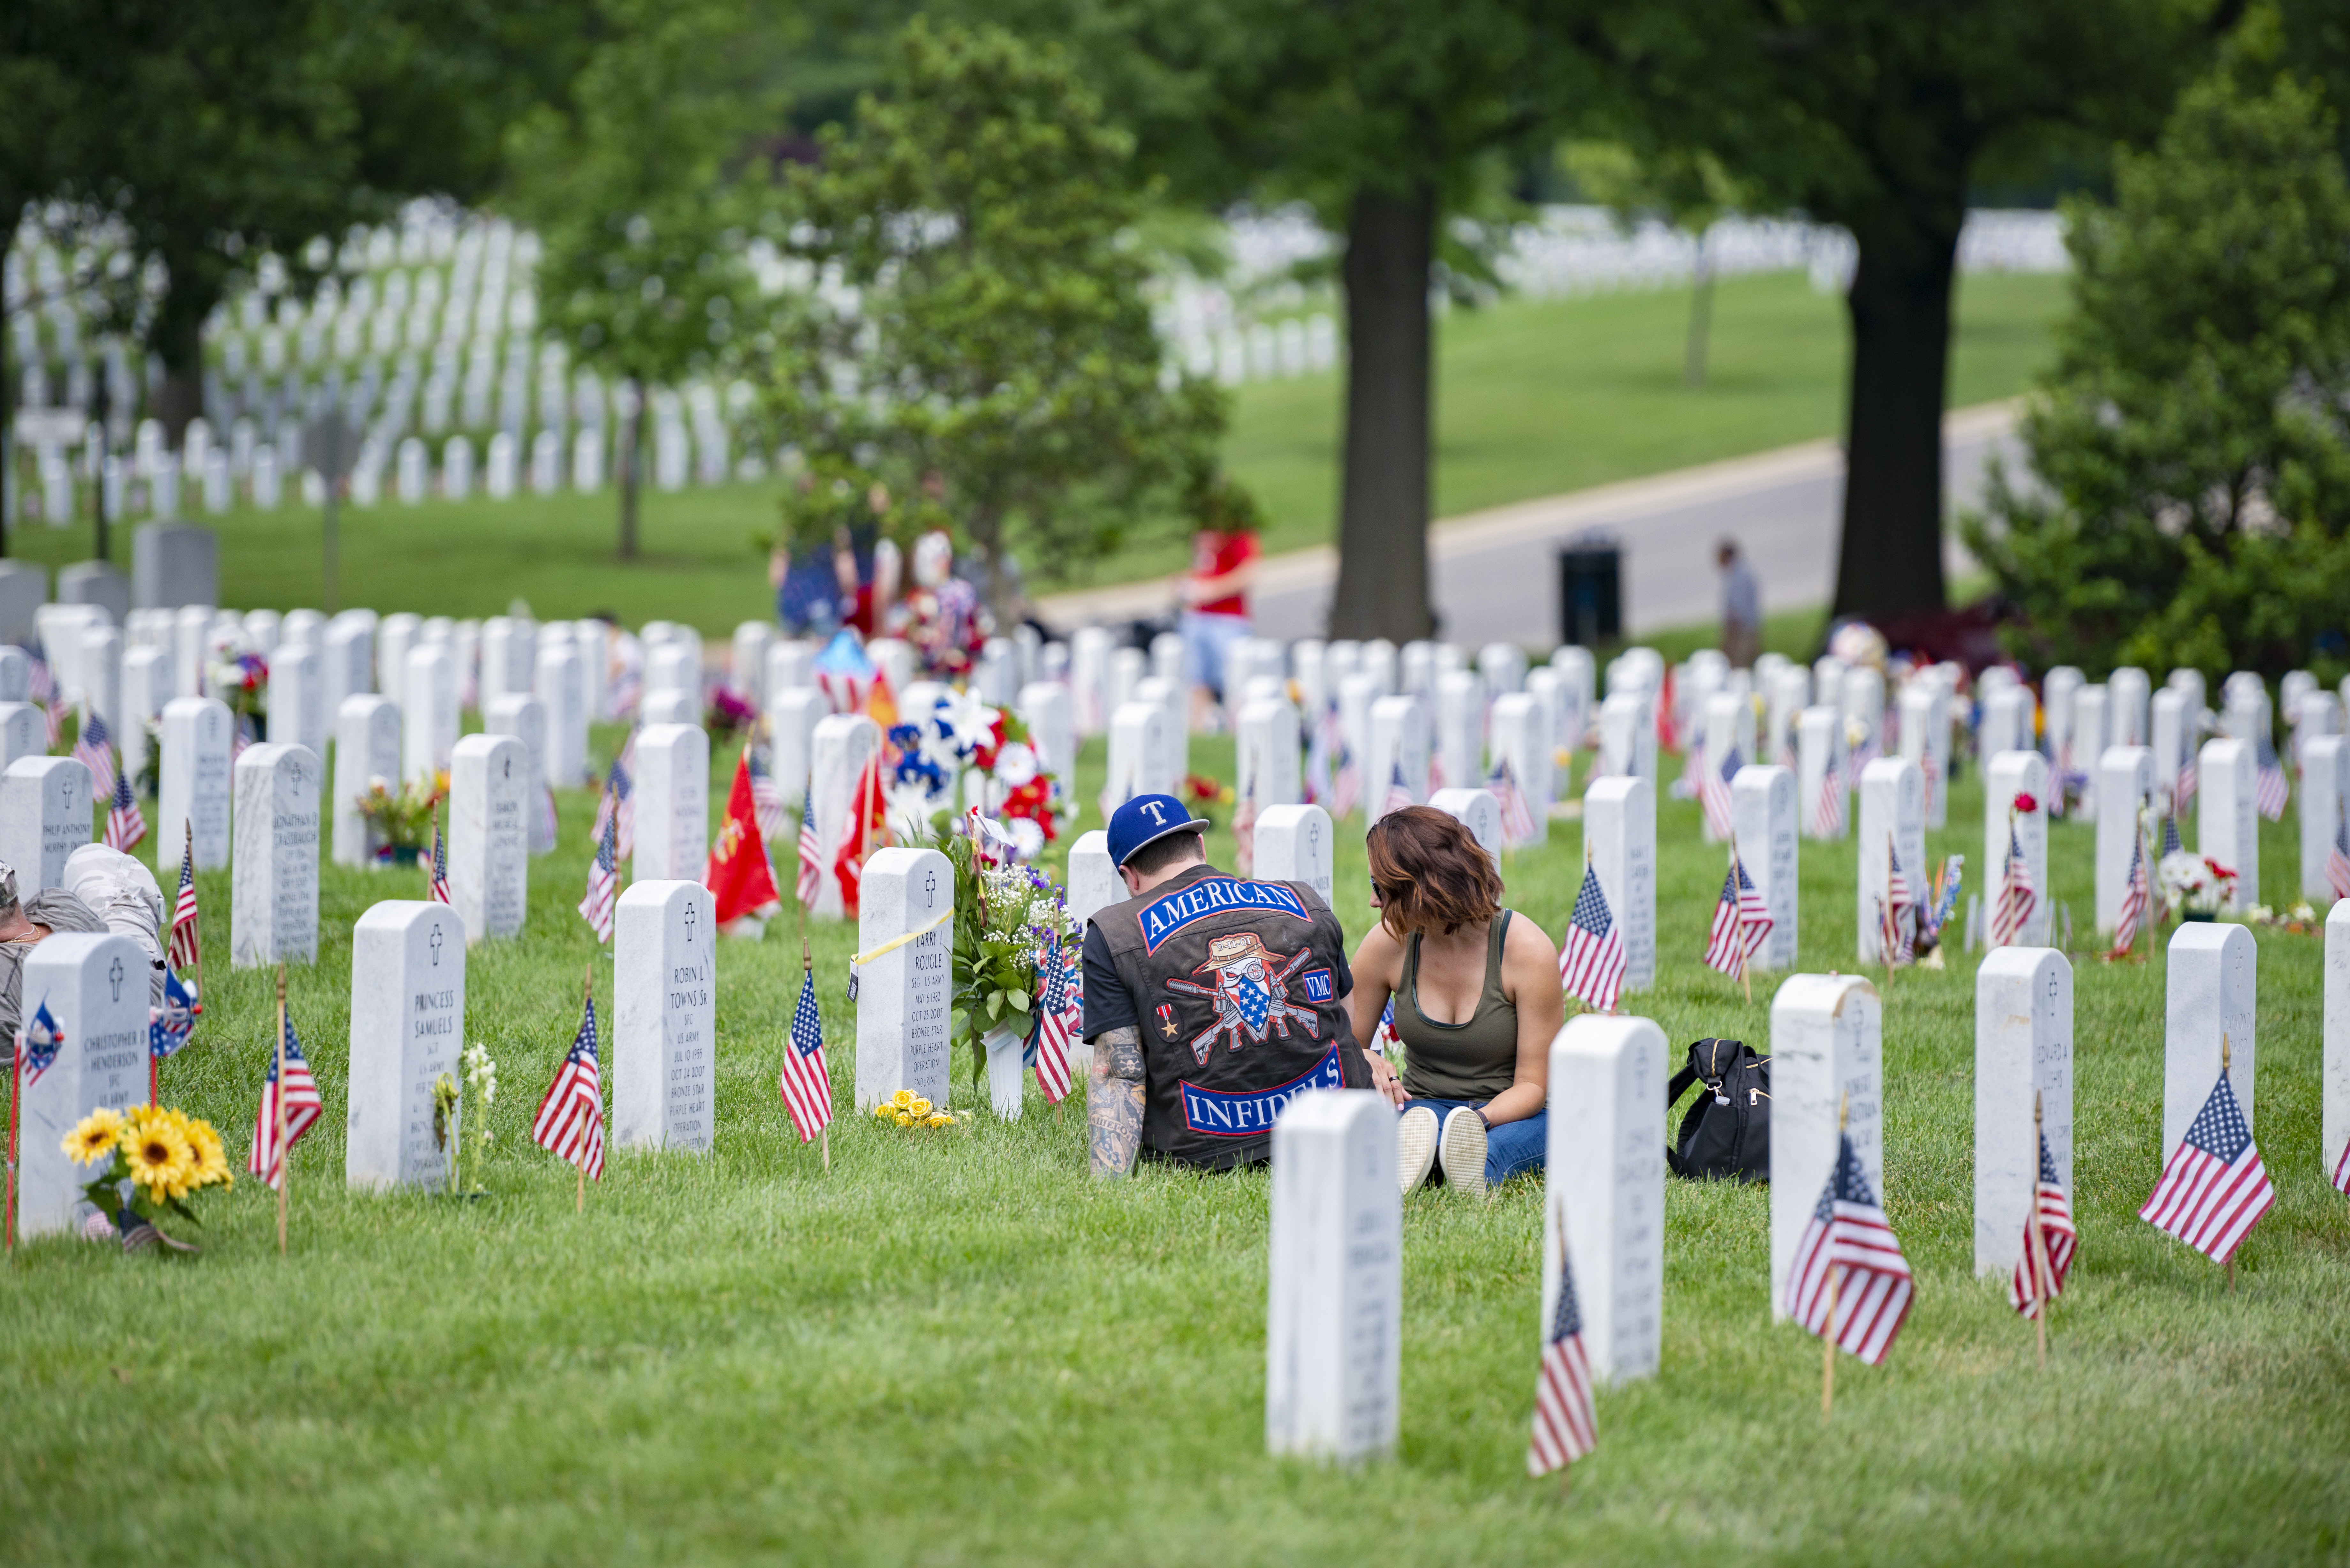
1214, 592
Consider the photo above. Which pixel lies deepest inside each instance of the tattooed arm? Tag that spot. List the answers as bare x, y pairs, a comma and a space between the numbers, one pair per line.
1114, 1099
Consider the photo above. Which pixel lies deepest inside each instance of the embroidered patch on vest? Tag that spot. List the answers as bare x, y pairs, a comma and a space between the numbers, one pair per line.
1214, 1113
1250, 992
1215, 895
1317, 983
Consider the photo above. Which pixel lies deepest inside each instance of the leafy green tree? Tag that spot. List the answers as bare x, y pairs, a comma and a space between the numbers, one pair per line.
1879, 118
978, 329
638, 191
2193, 437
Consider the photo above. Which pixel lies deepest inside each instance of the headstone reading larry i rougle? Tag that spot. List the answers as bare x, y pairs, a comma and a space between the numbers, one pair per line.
664, 1017
2024, 1047
1334, 1330
1604, 1176
44, 818
94, 987
489, 844
1826, 1059
408, 1027
902, 995
274, 894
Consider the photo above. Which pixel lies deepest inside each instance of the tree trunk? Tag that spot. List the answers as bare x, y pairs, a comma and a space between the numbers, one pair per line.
1890, 561
1383, 506
177, 335
1700, 319
632, 432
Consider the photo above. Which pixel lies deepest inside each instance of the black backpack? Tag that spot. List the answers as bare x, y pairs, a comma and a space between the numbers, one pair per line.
1727, 1131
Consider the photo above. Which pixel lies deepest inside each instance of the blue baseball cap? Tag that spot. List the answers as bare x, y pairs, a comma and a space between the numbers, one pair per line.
1146, 819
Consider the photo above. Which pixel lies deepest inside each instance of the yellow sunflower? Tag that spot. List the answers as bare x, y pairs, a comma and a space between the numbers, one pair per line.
94, 1137
211, 1159
903, 1099
161, 1159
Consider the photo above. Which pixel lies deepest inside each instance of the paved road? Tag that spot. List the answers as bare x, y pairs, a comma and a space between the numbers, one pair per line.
1496, 578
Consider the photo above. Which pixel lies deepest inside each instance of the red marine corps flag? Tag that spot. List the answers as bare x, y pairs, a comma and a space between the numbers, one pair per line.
740, 874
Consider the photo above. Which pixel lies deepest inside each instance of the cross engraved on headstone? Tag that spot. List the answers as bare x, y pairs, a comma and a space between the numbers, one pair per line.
114, 978
929, 889
433, 941
690, 913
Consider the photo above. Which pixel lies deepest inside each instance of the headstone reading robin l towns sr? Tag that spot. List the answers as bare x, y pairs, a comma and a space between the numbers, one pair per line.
664, 1017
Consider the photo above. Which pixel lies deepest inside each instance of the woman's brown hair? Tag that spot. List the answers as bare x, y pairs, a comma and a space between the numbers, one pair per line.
1430, 873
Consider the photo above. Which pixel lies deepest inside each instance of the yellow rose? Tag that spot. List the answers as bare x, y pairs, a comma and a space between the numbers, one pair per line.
904, 1120
903, 1099
920, 1107
938, 1119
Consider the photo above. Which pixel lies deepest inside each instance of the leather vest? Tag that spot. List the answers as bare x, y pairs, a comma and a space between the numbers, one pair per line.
1235, 993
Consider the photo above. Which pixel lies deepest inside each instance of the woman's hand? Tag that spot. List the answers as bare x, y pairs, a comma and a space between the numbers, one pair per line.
1384, 1079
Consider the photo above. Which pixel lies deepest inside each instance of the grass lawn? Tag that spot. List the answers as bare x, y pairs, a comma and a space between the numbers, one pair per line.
1533, 396
956, 1347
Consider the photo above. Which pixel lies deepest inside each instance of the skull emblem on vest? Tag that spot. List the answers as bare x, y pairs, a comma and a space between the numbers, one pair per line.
1250, 993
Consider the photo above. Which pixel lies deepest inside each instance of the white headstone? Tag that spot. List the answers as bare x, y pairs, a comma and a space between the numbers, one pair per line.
793, 714
489, 835
274, 894
665, 1017
2124, 777
146, 685
2006, 722
1619, 823
1863, 700
1727, 728
1380, 663
2005, 777
2211, 988
2127, 693
1604, 1177
297, 698
2168, 738
101, 674
346, 661
23, 732
1819, 750
1762, 820
2024, 1047
1090, 648
2324, 800
44, 818
1050, 713
1827, 1058
672, 788
1524, 741
1334, 1335
2228, 824
1926, 741
428, 710
903, 996
395, 635
749, 649
1175, 734
843, 742
1294, 844
1265, 754
2091, 735
524, 717
509, 657
1459, 703
1892, 812
1476, 810
1094, 883
1574, 670
1628, 737
1137, 752
367, 748
1399, 747
894, 657
2334, 1074
408, 1027
94, 986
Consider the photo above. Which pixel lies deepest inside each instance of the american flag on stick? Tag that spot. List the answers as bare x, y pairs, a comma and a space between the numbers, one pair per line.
2050, 1237
1060, 1015
1399, 792
1849, 1282
1897, 912
2341, 1169
2190, 777
1592, 962
2133, 910
1518, 825
2268, 779
1564, 1425
1931, 766
1827, 812
94, 749
126, 825
806, 1085
2018, 896
766, 796
1741, 921
811, 853
438, 892
2337, 856
603, 885
187, 945
287, 1086
2214, 1189
1714, 793
570, 1120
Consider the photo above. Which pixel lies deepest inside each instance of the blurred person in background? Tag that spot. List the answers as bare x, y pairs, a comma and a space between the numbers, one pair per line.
1741, 607
1214, 593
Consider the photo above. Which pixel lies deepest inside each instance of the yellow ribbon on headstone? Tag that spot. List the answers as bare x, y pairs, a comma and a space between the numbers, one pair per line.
894, 943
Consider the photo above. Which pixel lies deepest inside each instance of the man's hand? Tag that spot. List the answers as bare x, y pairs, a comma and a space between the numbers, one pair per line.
1384, 1079
1114, 1099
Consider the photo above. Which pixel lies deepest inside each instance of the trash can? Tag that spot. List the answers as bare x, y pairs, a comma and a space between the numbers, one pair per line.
1591, 590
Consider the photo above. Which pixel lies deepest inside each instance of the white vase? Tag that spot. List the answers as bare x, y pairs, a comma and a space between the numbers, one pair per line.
1004, 1045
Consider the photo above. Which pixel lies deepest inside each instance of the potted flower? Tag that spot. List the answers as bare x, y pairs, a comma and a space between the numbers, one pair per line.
1009, 920
164, 1156
400, 820
2196, 885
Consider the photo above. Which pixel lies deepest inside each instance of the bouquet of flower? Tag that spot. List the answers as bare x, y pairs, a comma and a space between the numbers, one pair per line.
239, 677
2196, 883
401, 818
1008, 920
909, 1109
930, 753
166, 1156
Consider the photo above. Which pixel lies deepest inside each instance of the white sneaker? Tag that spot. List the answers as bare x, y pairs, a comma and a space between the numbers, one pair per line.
1415, 1146
1463, 1145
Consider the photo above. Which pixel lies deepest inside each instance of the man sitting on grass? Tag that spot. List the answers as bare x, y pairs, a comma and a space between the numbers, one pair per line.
1210, 1002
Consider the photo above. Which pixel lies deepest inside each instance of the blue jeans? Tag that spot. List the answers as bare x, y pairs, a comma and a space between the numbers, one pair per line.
1510, 1148
1207, 639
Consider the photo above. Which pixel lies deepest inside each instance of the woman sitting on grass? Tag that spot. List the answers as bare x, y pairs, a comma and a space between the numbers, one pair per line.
1476, 1005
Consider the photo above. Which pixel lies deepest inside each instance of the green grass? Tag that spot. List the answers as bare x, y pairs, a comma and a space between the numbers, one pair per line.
956, 1347
1533, 397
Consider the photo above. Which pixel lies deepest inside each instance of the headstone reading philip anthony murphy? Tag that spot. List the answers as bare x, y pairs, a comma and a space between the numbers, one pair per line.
44, 818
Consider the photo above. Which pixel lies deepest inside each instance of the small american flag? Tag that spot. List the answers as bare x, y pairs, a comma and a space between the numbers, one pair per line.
1517, 817
1897, 914
1593, 963
811, 877
2018, 896
1741, 921
2190, 775
807, 1083
1318, 747
439, 891
766, 796
1849, 1244
1244, 835
2337, 856
624, 798
2061, 778
2133, 910
2341, 1169
1714, 793
303, 1108
1564, 1425
126, 825
169, 1025
2170, 844
2049, 1232
1060, 1013
39, 1043
570, 1121
1931, 766
187, 947
2215, 1188
603, 885
94, 749
1384, 1039
1398, 791
2268, 783
1827, 812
